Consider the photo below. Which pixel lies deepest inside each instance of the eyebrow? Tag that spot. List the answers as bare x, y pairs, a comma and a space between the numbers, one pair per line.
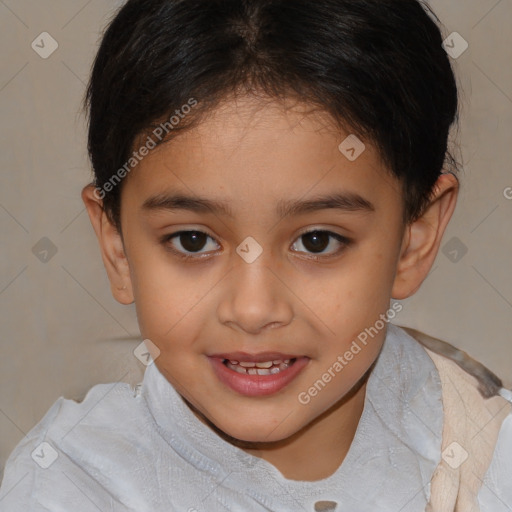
344, 201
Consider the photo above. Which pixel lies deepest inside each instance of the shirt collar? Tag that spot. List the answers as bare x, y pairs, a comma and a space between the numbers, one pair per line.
403, 401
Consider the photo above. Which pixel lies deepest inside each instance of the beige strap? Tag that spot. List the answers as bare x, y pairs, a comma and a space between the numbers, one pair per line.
470, 431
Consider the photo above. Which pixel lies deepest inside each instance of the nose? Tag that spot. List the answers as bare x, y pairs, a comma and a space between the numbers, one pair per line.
255, 298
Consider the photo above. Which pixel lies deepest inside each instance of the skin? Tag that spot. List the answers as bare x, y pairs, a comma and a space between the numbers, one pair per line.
252, 155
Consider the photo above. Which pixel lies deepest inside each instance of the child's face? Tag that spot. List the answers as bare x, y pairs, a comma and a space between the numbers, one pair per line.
228, 299
283, 301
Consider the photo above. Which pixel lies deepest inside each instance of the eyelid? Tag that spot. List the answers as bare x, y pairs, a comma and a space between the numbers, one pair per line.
322, 229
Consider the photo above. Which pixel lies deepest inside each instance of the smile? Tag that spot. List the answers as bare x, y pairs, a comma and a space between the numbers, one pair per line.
265, 374
260, 368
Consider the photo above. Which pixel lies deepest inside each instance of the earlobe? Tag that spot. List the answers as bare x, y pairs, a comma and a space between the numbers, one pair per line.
423, 236
111, 246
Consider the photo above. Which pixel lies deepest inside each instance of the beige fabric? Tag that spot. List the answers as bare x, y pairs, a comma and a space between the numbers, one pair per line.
470, 431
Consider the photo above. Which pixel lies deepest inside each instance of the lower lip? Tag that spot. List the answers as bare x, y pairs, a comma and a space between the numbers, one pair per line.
257, 385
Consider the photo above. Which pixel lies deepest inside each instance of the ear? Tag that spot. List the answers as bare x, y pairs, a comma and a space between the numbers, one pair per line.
422, 238
111, 245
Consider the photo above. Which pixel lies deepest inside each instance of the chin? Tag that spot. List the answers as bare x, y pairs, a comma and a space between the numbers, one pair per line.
263, 432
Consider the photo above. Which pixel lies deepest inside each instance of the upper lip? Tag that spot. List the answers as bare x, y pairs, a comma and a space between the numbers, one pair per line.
254, 358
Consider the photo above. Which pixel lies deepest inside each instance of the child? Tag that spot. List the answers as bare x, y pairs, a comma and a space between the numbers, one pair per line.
269, 175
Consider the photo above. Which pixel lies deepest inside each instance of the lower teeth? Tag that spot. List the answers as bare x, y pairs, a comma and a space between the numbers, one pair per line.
259, 371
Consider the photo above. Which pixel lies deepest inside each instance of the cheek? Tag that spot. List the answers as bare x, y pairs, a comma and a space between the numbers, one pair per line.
165, 296
357, 292
167, 313
375, 267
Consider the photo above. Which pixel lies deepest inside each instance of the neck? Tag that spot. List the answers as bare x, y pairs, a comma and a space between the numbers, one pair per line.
317, 450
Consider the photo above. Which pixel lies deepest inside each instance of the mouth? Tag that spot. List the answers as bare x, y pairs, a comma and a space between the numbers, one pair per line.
270, 367
257, 374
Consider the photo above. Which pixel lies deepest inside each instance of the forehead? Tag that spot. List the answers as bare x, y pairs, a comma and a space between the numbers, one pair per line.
252, 150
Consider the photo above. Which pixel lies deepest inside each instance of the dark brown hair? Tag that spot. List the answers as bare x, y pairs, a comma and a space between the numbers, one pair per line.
375, 66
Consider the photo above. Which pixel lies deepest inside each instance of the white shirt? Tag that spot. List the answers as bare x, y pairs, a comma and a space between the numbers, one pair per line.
144, 450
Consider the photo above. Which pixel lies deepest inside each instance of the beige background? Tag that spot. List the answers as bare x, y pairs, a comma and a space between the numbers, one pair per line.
62, 332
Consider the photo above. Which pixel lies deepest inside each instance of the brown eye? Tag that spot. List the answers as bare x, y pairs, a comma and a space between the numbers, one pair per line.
187, 243
317, 241
192, 241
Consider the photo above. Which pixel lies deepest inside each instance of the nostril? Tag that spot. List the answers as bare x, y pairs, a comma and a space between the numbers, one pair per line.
325, 506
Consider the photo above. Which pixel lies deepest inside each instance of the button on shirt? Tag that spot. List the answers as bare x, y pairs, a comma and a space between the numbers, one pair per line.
144, 450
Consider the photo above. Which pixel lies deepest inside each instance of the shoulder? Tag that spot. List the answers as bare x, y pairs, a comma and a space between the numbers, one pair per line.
72, 448
489, 420
496, 492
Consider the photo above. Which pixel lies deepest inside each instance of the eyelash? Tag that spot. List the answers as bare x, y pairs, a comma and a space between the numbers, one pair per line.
165, 240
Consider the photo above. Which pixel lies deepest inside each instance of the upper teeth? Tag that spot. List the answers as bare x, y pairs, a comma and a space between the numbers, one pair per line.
263, 364
258, 368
